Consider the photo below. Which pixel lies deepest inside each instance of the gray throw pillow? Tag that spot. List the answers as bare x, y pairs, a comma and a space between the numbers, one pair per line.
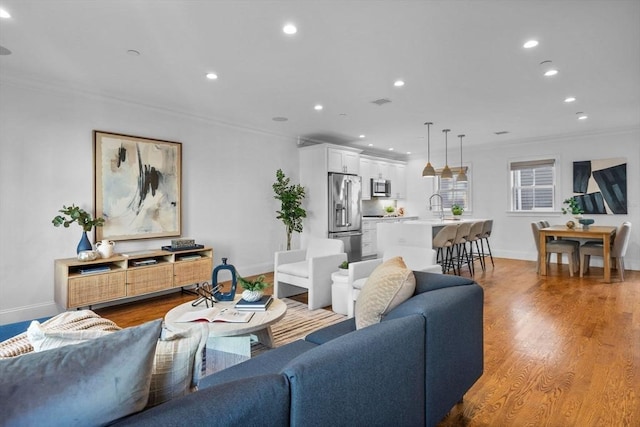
91, 383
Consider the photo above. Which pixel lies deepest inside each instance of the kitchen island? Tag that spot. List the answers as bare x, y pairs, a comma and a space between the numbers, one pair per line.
415, 232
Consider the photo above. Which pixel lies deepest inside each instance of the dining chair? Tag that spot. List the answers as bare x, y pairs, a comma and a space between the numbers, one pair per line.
618, 250
569, 247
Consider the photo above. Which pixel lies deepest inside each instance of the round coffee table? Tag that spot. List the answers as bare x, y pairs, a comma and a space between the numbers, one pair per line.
230, 343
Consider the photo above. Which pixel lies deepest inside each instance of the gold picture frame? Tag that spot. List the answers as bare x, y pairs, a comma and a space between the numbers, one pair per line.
137, 186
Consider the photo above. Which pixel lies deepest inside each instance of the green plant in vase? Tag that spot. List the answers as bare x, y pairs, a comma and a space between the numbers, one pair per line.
253, 289
572, 207
457, 210
291, 211
73, 213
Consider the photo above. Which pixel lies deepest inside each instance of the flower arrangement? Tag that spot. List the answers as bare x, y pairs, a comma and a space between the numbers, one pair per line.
573, 207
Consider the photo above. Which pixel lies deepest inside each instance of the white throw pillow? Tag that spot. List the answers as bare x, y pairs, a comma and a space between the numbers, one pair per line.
389, 285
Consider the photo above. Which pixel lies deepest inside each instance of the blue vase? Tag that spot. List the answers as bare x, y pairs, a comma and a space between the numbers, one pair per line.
85, 244
224, 296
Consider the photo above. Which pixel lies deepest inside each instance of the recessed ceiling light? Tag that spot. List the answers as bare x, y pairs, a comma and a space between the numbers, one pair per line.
530, 43
361, 136
391, 149
370, 145
289, 29
318, 107
569, 99
212, 76
408, 152
581, 115
133, 52
551, 72
4, 14
398, 83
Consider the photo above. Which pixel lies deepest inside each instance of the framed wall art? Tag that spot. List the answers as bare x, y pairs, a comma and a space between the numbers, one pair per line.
600, 186
138, 184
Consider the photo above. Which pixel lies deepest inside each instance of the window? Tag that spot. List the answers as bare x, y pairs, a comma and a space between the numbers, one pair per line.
454, 192
533, 185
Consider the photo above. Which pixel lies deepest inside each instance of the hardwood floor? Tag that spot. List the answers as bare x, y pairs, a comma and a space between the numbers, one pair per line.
559, 351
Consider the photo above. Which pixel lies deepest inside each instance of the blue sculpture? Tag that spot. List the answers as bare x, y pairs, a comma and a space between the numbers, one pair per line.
586, 222
222, 296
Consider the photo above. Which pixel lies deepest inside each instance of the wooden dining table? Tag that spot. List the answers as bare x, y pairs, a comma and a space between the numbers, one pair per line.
605, 233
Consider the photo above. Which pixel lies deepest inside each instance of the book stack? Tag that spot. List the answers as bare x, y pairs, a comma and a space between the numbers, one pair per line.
261, 305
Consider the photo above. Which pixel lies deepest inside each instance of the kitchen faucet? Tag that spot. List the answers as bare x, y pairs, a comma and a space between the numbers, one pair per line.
441, 205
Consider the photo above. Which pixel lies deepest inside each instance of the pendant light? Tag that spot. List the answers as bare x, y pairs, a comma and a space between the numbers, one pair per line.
446, 172
462, 177
428, 169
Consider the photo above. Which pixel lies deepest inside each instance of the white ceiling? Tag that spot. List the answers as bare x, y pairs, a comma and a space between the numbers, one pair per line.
462, 61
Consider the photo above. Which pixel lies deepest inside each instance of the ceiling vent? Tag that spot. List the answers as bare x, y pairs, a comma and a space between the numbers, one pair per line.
381, 101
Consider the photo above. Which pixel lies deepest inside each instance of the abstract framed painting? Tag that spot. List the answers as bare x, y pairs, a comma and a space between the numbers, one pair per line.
600, 186
138, 186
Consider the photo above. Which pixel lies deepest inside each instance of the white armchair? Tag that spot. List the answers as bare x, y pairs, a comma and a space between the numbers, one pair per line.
309, 269
415, 258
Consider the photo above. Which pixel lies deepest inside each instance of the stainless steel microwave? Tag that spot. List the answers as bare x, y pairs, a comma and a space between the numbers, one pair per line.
380, 187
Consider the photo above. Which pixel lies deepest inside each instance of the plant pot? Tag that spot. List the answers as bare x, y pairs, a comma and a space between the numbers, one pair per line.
251, 296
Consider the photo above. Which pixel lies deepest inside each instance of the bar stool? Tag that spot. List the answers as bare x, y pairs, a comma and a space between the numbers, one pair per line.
475, 236
460, 244
443, 244
487, 226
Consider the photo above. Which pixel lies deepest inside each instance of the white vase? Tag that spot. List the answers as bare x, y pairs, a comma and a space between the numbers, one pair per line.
251, 296
105, 247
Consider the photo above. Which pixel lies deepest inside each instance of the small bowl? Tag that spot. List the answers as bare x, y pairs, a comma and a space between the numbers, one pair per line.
87, 256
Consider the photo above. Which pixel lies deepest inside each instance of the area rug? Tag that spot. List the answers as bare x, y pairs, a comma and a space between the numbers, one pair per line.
297, 323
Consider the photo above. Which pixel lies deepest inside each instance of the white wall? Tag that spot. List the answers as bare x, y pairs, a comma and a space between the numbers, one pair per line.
512, 236
46, 161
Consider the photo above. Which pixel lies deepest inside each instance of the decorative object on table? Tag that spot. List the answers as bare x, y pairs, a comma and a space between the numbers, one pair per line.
138, 186
389, 209
291, 212
573, 207
219, 295
400, 211
600, 186
344, 268
88, 256
105, 248
205, 292
586, 222
260, 304
457, 210
73, 214
571, 225
253, 289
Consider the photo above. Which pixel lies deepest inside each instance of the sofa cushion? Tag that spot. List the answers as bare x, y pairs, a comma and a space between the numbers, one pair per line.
330, 332
176, 369
299, 269
258, 401
374, 376
91, 383
390, 284
270, 362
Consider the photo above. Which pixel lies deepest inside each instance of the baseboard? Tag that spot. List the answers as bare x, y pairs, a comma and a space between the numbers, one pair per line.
28, 312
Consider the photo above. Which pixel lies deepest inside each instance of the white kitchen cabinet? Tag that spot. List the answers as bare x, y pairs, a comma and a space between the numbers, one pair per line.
365, 173
369, 237
380, 169
398, 177
343, 161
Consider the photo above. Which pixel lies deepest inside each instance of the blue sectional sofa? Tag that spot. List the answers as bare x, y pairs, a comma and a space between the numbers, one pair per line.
408, 370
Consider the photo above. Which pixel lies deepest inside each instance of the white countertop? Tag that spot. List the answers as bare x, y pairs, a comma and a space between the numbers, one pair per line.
389, 218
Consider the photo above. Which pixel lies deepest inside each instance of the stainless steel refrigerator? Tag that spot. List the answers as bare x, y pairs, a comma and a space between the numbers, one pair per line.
345, 215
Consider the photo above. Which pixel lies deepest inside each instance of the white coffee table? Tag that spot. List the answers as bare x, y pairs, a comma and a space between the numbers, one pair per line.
230, 343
